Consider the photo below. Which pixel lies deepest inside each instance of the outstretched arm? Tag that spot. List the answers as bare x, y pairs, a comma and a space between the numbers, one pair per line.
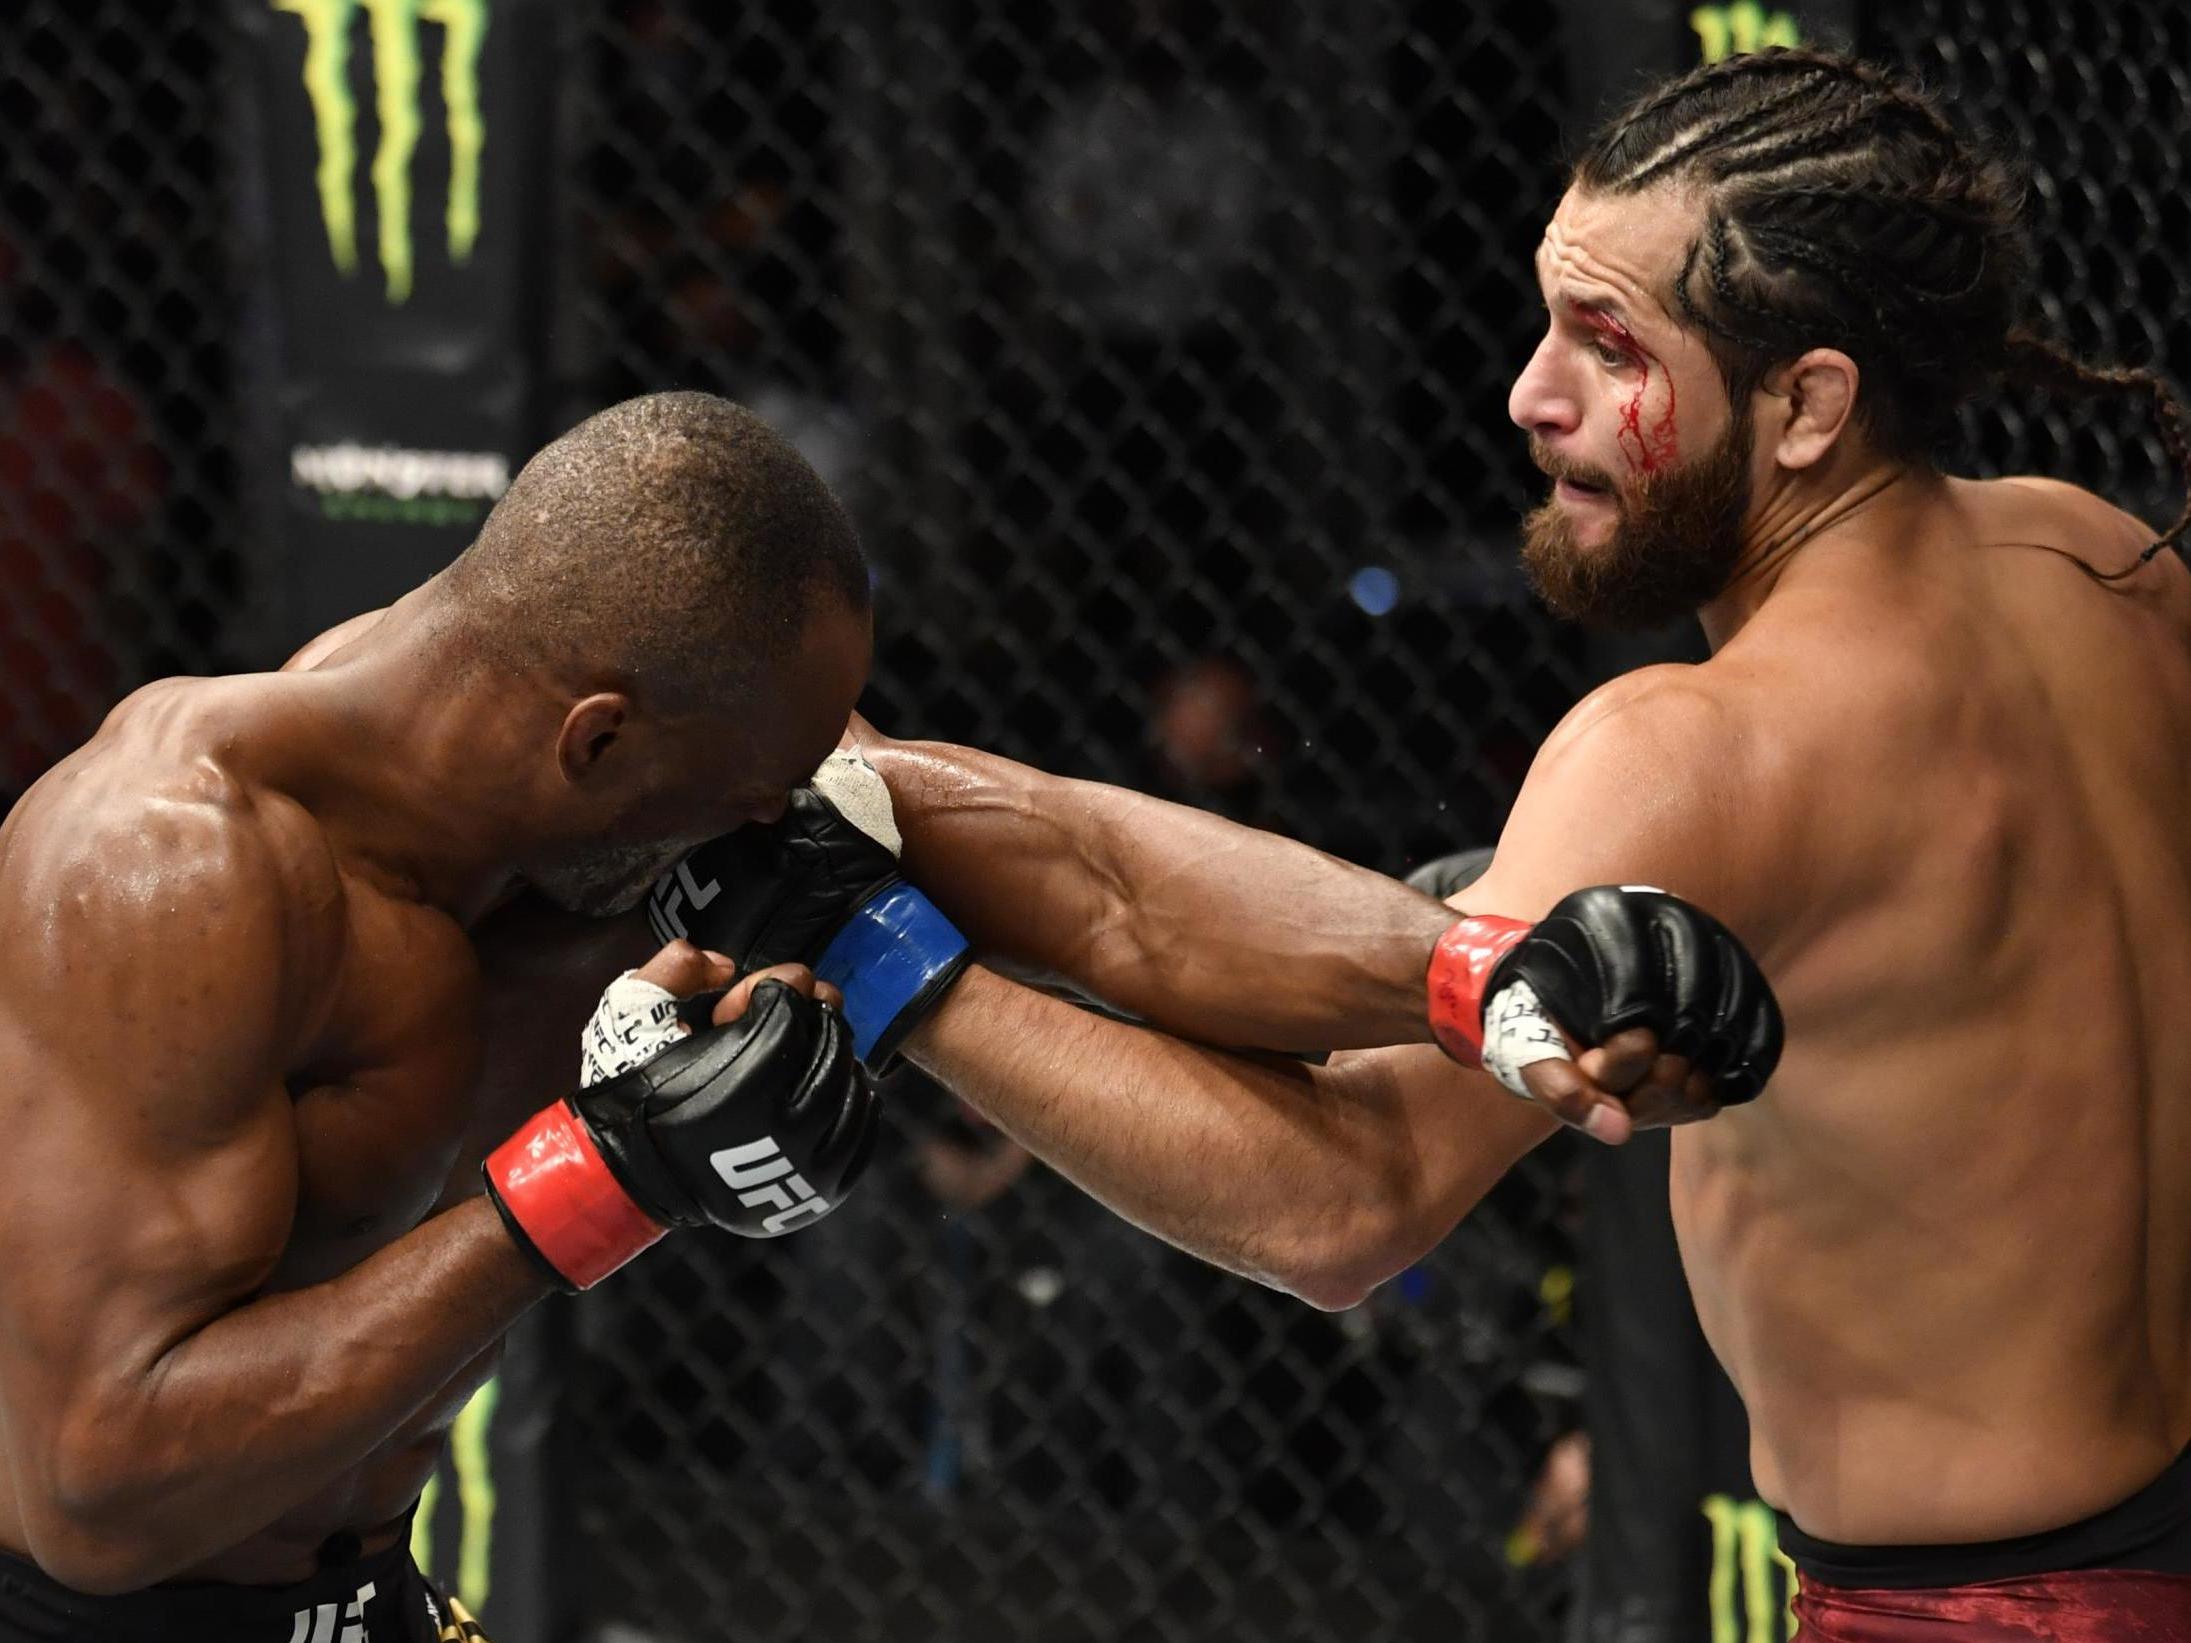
1205, 927
1234, 936
1315, 1179
1323, 1181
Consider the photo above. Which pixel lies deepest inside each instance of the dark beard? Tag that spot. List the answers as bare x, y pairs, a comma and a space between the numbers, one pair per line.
1674, 543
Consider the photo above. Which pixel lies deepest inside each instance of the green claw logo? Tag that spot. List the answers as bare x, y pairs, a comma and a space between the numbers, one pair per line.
396, 74
1745, 26
1751, 1576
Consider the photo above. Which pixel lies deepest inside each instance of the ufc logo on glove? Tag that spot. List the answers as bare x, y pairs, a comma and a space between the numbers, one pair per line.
759, 1173
677, 891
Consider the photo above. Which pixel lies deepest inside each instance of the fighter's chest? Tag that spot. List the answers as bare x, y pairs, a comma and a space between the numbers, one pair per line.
382, 1101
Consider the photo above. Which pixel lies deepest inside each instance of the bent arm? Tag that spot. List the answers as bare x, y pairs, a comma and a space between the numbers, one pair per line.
157, 1460
160, 1399
1323, 1181
1205, 927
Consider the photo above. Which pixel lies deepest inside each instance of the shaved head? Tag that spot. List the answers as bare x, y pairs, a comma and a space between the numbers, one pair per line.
675, 544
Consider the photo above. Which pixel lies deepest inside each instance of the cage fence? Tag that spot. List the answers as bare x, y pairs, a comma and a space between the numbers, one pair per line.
1161, 352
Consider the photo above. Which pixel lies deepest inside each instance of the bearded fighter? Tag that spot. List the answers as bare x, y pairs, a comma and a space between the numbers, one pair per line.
1932, 776
279, 978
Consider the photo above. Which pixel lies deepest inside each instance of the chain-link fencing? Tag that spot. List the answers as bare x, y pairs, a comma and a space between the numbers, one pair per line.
1168, 390
1161, 350
120, 528
2097, 101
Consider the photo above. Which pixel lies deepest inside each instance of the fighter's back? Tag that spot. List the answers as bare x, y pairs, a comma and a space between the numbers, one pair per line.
1948, 1259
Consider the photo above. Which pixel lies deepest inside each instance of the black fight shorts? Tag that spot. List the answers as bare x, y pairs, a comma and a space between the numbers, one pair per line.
378, 1599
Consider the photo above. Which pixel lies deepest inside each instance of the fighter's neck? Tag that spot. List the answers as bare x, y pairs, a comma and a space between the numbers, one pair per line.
407, 771
1794, 524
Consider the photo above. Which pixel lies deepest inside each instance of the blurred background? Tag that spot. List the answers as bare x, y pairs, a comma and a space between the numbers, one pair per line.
1160, 348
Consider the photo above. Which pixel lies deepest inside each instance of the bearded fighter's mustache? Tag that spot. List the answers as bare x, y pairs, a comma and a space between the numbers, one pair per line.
1554, 466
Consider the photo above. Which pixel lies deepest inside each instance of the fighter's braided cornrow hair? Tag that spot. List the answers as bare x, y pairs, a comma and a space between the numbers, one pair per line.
2046, 364
1843, 209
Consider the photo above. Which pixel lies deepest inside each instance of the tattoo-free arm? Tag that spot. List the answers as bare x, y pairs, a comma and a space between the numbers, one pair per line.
1323, 1181
158, 1404
1210, 929
1234, 936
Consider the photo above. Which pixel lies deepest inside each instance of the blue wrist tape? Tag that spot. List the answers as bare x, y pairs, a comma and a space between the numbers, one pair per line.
881, 960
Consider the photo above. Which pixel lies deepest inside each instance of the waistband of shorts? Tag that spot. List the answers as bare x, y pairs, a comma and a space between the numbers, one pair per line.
2109, 1539
29, 1594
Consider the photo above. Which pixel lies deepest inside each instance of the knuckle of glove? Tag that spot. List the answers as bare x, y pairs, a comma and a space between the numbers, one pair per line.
1444, 876
1606, 931
845, 1117
1686, 974
747, 1110
1608, 959
1758, 1021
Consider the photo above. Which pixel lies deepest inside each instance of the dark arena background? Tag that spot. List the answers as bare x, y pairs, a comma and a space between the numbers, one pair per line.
1160, 349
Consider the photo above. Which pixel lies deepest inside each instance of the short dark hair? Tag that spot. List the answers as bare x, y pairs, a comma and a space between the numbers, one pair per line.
675, 541
1843, 209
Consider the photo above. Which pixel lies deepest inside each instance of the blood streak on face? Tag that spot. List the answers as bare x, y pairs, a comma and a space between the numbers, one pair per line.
1647, 450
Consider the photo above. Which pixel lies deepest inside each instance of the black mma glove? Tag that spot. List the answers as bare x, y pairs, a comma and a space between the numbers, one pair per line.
1602, 961
821, 887
759, 1127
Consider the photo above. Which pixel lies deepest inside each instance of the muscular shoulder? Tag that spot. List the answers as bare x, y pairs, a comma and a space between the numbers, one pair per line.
2031, 507
126, 880
1672, 707
1666, 776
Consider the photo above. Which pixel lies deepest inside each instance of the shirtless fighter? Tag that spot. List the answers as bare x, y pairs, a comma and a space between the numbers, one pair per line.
262, 1022
280, 973
1934, 777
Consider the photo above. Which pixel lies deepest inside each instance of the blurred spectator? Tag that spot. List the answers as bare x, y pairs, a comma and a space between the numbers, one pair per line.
1678, 1545
1145, 193
1211, 738
968, 1165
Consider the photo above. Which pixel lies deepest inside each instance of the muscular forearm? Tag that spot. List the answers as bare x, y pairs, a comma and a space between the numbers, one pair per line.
1318, 1181
1210, 929
247, 1416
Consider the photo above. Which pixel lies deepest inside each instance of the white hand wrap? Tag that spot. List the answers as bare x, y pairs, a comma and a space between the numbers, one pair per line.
634, 1022
1517, 1033
856, 788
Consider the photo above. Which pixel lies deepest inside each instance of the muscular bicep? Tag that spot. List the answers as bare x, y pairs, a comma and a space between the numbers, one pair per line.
148, 1172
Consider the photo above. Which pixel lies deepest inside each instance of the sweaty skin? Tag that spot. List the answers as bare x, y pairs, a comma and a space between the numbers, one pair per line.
268, 1000
1933, 777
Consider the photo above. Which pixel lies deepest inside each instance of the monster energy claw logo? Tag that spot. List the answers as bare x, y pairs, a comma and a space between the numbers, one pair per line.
1749, 1605
396, 73
1722, 31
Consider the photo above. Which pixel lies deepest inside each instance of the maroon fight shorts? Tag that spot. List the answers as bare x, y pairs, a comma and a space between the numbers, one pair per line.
2123, 1576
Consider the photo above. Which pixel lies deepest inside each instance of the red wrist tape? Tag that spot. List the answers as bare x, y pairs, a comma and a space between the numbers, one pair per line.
1460, 969
554, 1183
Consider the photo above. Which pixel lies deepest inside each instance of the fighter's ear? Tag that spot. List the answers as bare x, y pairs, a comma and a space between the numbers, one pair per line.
1817, 402
590, 731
